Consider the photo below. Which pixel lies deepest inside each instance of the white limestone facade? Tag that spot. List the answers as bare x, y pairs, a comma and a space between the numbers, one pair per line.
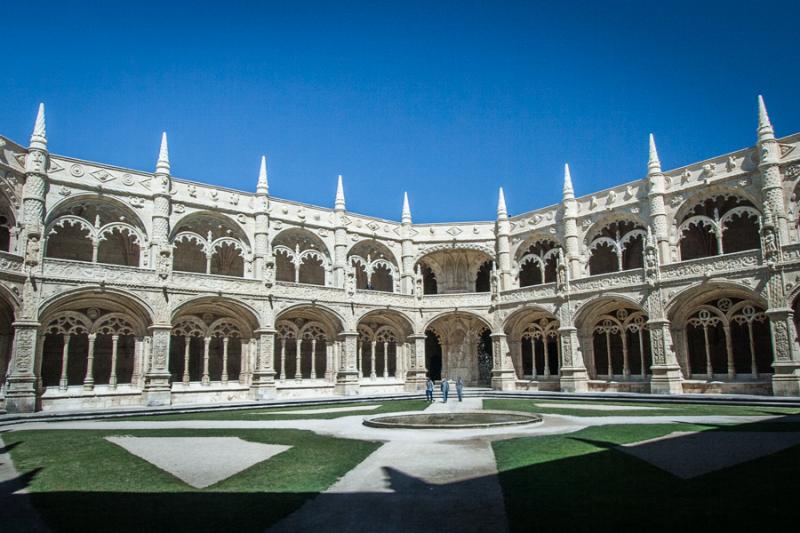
121, 287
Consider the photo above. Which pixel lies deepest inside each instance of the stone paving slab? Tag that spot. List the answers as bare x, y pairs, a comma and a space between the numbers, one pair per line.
690, 454
199, 461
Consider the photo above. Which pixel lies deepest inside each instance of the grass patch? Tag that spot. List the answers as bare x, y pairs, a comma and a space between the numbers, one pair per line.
664, 409
79, 481
579, 481
272, 413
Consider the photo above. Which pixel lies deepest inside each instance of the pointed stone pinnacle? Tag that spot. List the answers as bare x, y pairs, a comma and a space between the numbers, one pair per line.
406, 216
653, 163
162, 165
339, 195
39, 136
569, 192
765, 131
262, 186
502, 212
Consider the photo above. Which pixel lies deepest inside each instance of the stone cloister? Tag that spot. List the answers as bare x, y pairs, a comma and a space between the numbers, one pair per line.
122, 287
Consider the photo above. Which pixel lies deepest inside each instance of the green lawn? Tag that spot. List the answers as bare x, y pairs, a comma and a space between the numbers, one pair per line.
272, 413
579, 481
79, 481
664, 409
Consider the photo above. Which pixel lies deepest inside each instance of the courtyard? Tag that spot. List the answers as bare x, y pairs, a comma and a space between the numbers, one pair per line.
588, 464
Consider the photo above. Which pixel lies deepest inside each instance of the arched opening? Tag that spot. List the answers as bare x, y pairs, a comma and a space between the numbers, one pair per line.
93, 339
6, 226
429, 285
456, 271
465, 348
381, 349
615, 340
305, 341
300, 257
212, 344
719, 225
617, 246
537, 263
482, 279
210, 243
433, 355
95, 230
534, 344
728, 337
374, 265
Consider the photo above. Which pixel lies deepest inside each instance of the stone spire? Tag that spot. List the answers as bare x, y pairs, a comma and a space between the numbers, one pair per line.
765, 131
339, 205
262, 187
502, 212
39, 136
653, 163
162, 165
406, 216
569, 192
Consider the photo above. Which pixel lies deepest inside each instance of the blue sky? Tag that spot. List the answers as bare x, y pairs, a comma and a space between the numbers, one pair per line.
447, 100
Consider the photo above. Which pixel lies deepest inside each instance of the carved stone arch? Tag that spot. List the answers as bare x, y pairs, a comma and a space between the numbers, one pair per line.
227, 327
457, 315
375, 249
595, 307
302, 257
9, 297
709, 192
680, 305
531, 239
219, 224
115, 324
190, 326
386, 334
68, 323
365, 333
516, 321
398, 320
244, 314
80, 205
286, 330
110, 299
610, 218
330, 319
488, 250
457, 268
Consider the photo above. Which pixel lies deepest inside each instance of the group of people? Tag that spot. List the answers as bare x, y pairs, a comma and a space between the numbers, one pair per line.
445, 387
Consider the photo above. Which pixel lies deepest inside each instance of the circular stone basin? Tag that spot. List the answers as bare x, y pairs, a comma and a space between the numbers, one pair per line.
457, 420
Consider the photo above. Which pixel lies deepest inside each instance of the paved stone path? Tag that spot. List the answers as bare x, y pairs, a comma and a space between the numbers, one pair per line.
413, 485
596, 407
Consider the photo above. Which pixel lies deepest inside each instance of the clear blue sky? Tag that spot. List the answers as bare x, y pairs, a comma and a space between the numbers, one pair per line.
445, 100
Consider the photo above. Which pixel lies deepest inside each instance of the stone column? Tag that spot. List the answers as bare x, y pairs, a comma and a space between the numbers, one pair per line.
786, 352
574, 377
156, 379
503, 376
63, 382
112, 380
263, 385
21, 384
88, 381
416, 374
347, 377
186, 349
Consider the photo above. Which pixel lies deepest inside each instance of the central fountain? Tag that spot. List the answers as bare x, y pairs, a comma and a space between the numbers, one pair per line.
455, 420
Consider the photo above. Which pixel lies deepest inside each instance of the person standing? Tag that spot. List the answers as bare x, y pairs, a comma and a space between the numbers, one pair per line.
460, 388
445, 389
429, 390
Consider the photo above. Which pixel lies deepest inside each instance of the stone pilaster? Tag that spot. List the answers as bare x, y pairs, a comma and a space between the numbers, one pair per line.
786, 365
263, 385
416, 375
161, 252
347, 376
574, 377
156, 378
21, 385
503, 376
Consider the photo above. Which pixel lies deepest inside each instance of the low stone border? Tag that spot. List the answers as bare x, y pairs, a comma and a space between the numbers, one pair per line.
423, 420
